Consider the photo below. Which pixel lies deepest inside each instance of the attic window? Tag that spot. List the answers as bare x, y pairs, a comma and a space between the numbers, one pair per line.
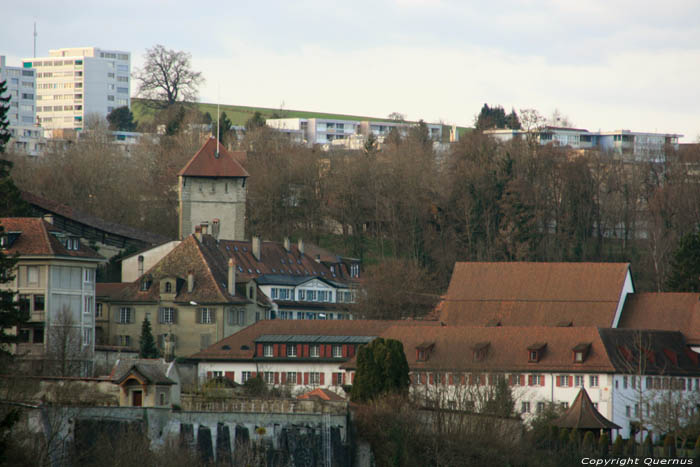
235, 248
245, 347
240, 269
250, 271
225, 347
480, 349
564, 324
423, 351
535, 351
581, 352
146, 283
672, 356
273, 270
493, 323
168, 287
72, 243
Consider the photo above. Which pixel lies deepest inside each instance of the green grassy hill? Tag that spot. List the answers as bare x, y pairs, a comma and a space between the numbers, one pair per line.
239, 114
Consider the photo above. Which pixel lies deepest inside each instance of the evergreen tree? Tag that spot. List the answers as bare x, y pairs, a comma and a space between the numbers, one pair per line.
696, 454
588, 443
11, 317
4, 121
121, 119
604, 445
11, 202
500, 402
381, 368
256, 121
147, 345
618, 446
685, 266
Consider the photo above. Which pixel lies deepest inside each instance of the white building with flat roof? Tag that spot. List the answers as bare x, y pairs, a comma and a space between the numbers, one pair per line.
73, 83
21, 87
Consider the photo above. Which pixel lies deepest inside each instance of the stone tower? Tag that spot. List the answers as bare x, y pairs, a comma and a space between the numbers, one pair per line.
212, 186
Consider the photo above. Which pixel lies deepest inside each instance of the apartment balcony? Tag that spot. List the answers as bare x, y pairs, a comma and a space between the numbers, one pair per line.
37, 316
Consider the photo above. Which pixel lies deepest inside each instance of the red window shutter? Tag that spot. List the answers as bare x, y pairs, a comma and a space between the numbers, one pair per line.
529, 380
277, 377
230, 375
209, 374
322, 351
352, 377
558, 381
482, 379
413, 378
351, 351
542, 380
253, 375
323, 379
298, 377
452, 380
306, 350
260, 350
283, 350
571, 381
345, 350
510, 380
432, 378
299, 354
306, 378
275, 350
422, 378
329, 350
522, 380
284, 377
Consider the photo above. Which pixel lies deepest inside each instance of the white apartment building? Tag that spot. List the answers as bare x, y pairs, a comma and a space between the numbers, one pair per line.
631, 144
21, 87
350, 134
73, 83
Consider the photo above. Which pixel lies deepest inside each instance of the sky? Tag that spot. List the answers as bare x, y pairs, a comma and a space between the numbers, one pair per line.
604, 64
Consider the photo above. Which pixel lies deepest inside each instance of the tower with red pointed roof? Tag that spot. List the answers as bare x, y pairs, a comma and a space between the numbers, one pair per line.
212, 189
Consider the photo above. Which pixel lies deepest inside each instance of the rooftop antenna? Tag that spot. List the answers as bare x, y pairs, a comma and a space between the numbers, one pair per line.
218, 124
35, 39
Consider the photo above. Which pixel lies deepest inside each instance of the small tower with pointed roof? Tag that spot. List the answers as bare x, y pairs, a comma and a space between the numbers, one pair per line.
213, 186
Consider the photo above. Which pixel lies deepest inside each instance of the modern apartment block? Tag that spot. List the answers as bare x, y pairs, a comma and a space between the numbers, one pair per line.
631, 144
73, 83
21, 87
350, 134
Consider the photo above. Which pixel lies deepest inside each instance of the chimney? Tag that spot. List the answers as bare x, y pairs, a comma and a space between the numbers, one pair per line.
255, 247
205, 227
190, 282
140, 259
198, 232
231, 286
286, 244
215, 228
300, 245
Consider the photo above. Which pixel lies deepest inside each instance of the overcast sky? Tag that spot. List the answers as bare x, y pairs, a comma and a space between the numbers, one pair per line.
605, 64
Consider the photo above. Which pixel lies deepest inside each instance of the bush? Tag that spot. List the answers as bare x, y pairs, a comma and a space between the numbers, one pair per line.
604, 445
648, 446
618, 446
588, 445
630, 448
696, 456
670, 445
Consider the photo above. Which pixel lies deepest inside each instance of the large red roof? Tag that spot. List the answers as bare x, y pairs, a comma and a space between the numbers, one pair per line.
205, 162
36, 237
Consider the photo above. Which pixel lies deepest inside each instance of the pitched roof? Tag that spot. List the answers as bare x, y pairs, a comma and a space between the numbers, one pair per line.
506, 348
153, 370
526, 294
653, 352
209, 280
205, 162
583, 415
665, 311
241, 345
38, 238
320, 394
63, 210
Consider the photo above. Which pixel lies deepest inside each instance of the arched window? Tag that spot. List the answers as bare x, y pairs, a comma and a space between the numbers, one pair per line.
168, 287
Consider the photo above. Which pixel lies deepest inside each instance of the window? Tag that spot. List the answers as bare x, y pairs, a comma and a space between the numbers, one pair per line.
628, 410
578, 381
267, 350
337, 351
578, 357
537, 380
564, 405
33, 275
166, 315
125, 315
291, 377
168, 287
24, 335
38, 303
88, 304
89, 275
315, 351
269, 377
540, 407
204, 341
624, 382
110, 98
245, 376
516, 379
163, 400
38, 337
338, 379
593, 381
207, 315
314, 378
563, 380
525, 407
533, 355
87, 336
291, 350
98, 310
124, 341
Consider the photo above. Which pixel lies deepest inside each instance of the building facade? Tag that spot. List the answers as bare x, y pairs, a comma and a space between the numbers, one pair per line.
21, 88
55, 282
72, 83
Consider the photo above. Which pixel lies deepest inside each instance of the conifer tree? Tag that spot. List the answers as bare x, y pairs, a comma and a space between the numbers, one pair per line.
147, 345
4, 121
381, 368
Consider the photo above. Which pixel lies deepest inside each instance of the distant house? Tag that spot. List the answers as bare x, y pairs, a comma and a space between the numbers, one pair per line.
55, 282
147, 383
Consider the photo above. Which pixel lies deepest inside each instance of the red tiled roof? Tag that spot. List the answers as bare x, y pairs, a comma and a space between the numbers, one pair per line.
205, 163
507, 348
241, 345
37, 239
110, 289
522, 294
664, 311
322, 394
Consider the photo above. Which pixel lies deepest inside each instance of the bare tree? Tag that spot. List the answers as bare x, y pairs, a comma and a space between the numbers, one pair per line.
65, 353
167, 76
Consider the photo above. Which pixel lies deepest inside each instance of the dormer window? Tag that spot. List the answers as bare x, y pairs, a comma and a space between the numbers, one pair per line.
480, 349
168, 287
72, 243
145, 283
423, 351
535, 352
581, 352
